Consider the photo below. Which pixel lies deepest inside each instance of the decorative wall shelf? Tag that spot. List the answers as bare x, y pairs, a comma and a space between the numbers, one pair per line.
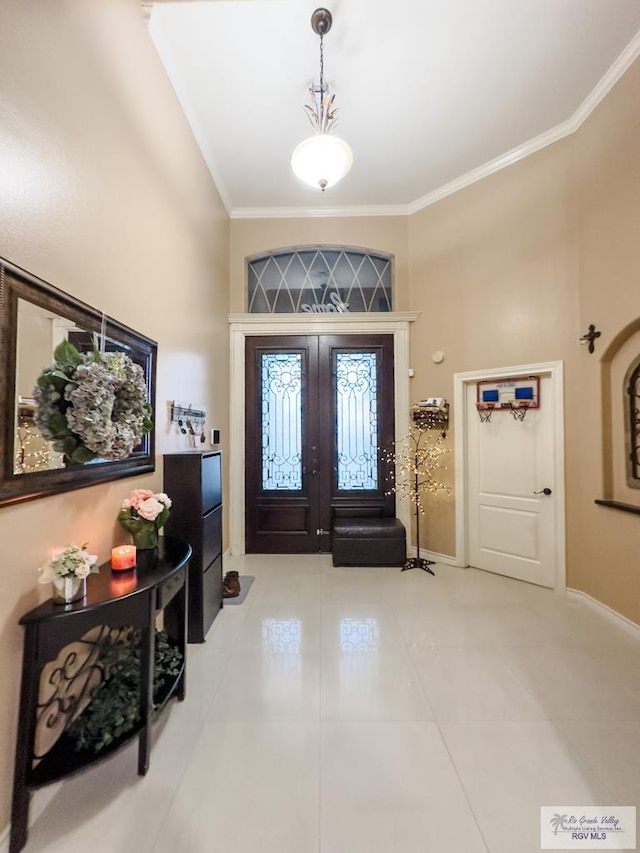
431, 417
619, 506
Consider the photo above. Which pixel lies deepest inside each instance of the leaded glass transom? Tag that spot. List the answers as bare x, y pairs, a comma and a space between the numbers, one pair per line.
281, 409
319, 281
357, 420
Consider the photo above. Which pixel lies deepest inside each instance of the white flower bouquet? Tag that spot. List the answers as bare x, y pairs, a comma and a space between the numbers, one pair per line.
72, 561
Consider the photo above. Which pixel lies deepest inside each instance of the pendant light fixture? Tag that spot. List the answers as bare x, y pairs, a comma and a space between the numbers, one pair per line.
321, 160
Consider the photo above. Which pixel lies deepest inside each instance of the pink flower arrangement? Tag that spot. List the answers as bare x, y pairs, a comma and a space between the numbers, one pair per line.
142, 514
147, 504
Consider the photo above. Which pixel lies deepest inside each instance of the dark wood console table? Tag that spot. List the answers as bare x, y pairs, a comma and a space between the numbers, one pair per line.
61, 667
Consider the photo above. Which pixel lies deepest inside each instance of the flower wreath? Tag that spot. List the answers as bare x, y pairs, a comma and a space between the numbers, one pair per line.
92, 405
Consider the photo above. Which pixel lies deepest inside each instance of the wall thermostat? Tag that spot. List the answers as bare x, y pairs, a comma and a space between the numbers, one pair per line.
438, 356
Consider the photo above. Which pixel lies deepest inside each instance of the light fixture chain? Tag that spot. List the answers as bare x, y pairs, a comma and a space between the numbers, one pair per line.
321, 65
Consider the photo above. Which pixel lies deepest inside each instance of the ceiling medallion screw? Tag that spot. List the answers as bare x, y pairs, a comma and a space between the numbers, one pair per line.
321, 21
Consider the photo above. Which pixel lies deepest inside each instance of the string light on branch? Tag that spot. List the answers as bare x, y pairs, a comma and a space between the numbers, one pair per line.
413, 465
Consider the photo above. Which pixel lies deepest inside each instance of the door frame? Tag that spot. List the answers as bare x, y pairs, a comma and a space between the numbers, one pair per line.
242, 326
460, 383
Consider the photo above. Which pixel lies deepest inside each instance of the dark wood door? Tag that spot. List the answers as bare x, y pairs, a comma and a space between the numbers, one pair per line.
319, 412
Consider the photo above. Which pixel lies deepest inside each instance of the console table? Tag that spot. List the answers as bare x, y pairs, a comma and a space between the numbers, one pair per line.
61, 667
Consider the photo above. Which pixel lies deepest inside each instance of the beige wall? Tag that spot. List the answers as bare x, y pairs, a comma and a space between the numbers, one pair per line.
511, 271
604, 544
493, 275
103, 192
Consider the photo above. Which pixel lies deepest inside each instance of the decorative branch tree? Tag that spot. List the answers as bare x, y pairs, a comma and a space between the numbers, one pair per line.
413, 464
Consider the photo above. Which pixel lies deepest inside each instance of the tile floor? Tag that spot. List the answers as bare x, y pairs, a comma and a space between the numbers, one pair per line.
371, 711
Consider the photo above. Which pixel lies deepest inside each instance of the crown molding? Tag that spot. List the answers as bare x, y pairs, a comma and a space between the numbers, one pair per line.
560, 131
566, 128
493, 166
608, 81
301, 212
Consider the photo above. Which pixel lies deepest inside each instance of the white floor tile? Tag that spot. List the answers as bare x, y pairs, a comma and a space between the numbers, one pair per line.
109, 807
577, 684
392, 786
278, 681
510, 769
369, 711
368, 626
612, 751
474, 684
370, 684
445, 626
249, 787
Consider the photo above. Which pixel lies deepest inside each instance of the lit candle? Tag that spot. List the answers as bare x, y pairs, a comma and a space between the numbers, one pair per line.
123, 557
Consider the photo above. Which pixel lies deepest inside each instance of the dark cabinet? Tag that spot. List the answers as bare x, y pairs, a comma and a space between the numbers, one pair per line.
63, 668
193, 481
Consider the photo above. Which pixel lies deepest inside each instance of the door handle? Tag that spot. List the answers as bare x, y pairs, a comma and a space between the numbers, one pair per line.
545, 491
314, 468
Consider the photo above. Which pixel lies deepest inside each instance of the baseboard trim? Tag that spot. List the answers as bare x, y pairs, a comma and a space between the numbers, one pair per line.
604, 609
437, 558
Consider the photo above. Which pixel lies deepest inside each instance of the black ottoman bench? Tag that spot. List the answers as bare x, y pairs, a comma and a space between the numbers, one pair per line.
369, 542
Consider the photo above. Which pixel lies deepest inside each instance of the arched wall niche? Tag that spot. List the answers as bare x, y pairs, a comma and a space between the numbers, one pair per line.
619, 361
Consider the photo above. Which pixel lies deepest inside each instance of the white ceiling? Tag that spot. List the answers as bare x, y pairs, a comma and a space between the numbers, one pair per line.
432, 95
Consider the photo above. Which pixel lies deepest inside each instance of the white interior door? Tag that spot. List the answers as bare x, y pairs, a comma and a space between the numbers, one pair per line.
511, 529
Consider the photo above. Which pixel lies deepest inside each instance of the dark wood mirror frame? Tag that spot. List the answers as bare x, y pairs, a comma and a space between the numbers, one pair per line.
16, 284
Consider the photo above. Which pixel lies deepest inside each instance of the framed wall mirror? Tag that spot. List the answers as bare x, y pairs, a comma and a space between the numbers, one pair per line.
35, 318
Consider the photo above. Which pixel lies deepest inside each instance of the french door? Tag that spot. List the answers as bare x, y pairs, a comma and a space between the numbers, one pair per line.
319, 414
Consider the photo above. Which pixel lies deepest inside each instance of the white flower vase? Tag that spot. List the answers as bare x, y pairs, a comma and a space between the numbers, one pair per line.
69, 589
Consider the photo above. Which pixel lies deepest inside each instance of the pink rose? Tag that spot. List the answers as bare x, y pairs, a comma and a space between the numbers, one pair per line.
150, 509
138, 496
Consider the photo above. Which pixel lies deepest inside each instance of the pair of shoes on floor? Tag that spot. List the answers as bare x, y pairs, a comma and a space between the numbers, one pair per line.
231, 585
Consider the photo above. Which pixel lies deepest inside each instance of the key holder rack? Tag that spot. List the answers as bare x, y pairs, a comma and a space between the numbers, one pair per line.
187, 412
189, 419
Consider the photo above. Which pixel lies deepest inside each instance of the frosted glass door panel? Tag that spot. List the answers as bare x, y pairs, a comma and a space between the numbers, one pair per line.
281, 408
357, 421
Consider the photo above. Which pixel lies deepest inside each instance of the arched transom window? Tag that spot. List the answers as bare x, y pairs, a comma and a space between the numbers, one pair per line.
319, 279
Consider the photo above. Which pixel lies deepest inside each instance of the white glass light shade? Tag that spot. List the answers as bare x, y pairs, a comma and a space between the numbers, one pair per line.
321, 160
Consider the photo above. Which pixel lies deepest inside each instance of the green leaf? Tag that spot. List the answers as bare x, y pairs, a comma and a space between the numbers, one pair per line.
58, 424
114, 707
162, 518
82, 454
70, 445
66, 354
58, 374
